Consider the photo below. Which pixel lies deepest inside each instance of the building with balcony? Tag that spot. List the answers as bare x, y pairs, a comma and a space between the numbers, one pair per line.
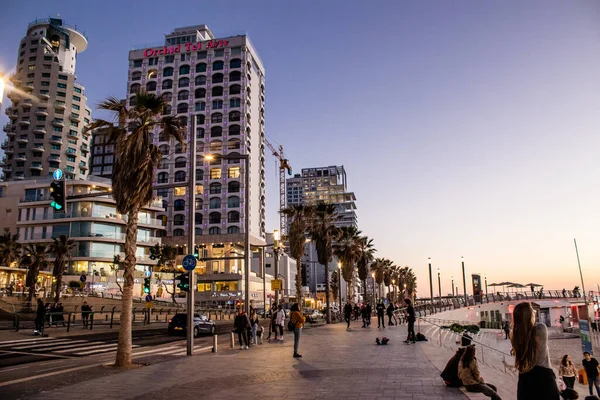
217, 86
92, 222
49, 110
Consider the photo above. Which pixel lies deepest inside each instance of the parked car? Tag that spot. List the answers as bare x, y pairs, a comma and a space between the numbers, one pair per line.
178, 324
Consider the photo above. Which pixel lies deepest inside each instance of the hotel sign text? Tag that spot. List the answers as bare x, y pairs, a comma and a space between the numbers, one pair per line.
211, 44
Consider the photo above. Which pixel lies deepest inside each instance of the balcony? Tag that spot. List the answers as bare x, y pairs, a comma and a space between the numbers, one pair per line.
9, 150
22, 139
58, 123
75, 118
41, 113
38, 148
56, 140
36, 166
19, 177
53, 157
40, 131
4, 145
13, 116
83, 166
24, 122
59, 105
20, 158
84, 147
27, 86
44, 96
7, 168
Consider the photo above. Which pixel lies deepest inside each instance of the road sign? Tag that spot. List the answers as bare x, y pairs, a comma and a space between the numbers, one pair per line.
57, 175
148, 298
147, 274
584, 332
83, 278
189, 262
149, 304
276, 284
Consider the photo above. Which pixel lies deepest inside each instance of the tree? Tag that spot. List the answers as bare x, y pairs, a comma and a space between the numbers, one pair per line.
323, 232
62, 248
347, 250
115, 267
379, 267
136, 159
300, 216
335, 285
365, 258
10, 248
35, 257
165, 257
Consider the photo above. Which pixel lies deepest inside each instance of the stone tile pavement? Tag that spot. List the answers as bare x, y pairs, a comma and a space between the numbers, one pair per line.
336, 364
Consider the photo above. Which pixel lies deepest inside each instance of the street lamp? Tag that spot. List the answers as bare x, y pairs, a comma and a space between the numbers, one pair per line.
394, 292
485, 278
373, 275
462, 260
452, 285
277, 248
439, 285
430, 281
340, 284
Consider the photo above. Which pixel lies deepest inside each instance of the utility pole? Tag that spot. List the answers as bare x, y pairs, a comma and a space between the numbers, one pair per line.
191, 236
462, 260
430, 281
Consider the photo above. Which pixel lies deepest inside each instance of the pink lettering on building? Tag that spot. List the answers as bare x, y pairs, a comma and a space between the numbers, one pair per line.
211, 44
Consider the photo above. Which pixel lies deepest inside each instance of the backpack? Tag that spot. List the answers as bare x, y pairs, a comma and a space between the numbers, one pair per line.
421, 338
291, 326
450, 373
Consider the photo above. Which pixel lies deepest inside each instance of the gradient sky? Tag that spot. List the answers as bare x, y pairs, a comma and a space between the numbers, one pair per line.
467, 128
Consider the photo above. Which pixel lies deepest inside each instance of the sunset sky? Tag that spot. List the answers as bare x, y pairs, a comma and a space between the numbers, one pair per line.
467, 128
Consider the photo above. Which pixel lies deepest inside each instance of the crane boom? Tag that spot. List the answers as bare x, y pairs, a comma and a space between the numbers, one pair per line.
284, 165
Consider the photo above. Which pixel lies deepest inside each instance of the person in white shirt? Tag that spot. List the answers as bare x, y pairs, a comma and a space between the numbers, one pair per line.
279, 323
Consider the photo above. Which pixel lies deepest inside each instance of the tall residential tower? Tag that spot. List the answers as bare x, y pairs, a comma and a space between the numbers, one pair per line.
48, 111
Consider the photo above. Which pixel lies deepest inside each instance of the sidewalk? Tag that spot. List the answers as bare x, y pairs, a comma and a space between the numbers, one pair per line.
336, 364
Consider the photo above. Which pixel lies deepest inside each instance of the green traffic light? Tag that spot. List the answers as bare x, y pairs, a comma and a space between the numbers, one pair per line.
146, 290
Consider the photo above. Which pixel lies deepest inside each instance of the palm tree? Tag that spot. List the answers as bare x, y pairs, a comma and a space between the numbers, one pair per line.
365, 258
323, 231
10, 248
347, 250
335, 285
62, 248
136, 158
35, 257
300, 216
165, 256
379, 267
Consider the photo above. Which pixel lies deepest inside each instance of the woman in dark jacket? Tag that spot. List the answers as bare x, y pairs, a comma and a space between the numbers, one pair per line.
241, 323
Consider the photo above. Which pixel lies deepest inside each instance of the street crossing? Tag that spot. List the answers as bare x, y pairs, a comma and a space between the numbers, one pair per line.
58, 346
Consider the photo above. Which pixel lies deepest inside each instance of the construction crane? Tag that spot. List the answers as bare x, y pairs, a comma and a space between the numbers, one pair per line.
283, 166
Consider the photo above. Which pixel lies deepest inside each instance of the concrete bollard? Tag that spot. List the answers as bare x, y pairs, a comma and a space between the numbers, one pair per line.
215, 348
232, 340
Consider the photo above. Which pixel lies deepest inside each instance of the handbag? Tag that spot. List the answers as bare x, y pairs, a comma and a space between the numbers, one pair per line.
291, 326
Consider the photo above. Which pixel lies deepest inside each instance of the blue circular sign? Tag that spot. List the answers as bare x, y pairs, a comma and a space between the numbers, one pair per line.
58, 174
189, 262
147, 274
83, 278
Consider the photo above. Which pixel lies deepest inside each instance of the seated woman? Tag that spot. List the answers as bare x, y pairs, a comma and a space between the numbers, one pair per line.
468, 372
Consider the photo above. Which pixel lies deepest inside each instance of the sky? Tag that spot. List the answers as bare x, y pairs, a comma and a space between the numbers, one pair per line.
466, 128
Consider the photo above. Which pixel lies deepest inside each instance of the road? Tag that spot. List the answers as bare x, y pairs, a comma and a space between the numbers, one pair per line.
32, 364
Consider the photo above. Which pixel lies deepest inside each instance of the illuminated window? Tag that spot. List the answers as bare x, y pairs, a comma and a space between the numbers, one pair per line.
233, 172
179, 191
199, 188
215, 173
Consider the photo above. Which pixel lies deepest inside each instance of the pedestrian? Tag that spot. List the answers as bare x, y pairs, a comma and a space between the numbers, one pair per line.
347, 314
86, 310
410, 319
369, 314
468, 372
590, 364
567, 371
356, 312
298, 320
279, 323
39, 317
506, 329
240, 325
380, 308
363, 313
254, 325
532, 359
273, 324
52, 318
390, 314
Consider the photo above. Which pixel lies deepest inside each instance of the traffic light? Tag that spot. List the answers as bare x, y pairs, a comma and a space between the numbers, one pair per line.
196, 251
184, 282
304, 276
146, 285
58, 193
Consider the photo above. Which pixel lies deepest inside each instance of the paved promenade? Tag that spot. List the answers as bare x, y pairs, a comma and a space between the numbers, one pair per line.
336, 364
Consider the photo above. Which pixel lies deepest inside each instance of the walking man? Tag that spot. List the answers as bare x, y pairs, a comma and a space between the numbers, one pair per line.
410, 318
39, 317
390, 314
86, 310
369, 314
506, 328
241, 323
348, 314
590, 364
380, 314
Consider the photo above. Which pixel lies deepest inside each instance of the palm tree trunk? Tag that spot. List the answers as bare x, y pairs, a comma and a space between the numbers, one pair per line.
59, 276
365, 291
32, 271
327, 290
348, 290
124, 355
299, 284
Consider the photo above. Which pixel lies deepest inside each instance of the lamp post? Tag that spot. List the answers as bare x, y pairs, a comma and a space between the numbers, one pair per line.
485, 278
430, 281
452, 285
405, 294
373, 275
276, 250
340, 285
439, 285
394, 291
462, 260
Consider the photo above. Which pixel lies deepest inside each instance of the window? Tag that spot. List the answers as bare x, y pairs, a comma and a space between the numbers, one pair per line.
216, 131
182, 108
216, 146
214, 218
200, 93
233, 217
184, 70
77, 90
235, 63
185, 57
201, 55
59, 85
215, 173
200, 106
234, 130
216, 118
235, 76
63, 77
217, 104
178, 148
178, 219
217, 78
215, 188
234, 145
233, 103
180, 176
135, 88
168, 71
137, 63
164, 193
179, 205
167, 84
233, 187
178, 232
235, 89
71, 158
233, 201
199, 174
167, 110
180, 162
214, 231
76, 107
200, 119
151, 86
169, 59
218, 65
233, 172
38, 118
234, 116
200, 80
132, 101
153, 61
233, 229
163, 177
77, 98
217, 91
219, 53
136, 76
183, 95
184, 82
61, 94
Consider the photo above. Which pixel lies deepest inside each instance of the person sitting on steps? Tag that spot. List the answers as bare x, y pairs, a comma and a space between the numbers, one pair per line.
468, 372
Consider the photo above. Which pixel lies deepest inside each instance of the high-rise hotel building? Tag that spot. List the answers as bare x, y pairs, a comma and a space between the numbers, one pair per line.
48, 111
218, 86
